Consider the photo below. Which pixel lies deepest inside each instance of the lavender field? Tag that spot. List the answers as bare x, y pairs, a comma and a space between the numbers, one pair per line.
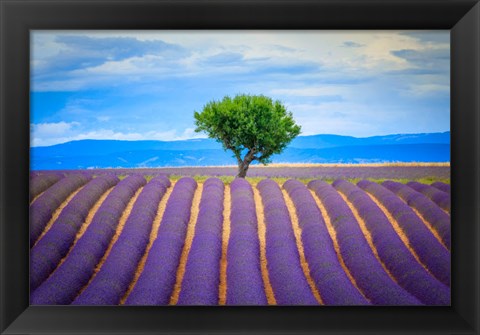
305, 171
364, 235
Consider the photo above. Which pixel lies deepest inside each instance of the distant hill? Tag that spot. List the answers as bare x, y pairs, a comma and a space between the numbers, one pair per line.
430, 147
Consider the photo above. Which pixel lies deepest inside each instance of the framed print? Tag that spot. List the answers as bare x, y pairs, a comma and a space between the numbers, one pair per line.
133, 138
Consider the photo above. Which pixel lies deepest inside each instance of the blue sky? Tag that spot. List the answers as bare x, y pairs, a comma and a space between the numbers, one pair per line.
145, 85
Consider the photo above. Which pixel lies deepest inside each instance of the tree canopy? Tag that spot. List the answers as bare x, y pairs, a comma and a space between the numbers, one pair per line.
253, 127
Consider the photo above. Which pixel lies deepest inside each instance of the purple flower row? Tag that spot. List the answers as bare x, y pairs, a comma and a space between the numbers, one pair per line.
439, 220
42, 209
202, 271
394, 254
54, 245
59, 173
244, 278
74, 273
288, 281
112, 281
369, 274
428, 249
156, 283
442, 186
332, 282
441, 198
40, 182
352, 171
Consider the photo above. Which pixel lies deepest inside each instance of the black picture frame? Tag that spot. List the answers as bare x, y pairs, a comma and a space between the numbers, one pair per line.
18, 17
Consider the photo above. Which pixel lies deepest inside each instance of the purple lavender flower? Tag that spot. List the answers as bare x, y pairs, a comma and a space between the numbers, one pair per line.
439, 220
359, 258
442, 186
244, 279
352, 171
428, 249
394, 254
441, 198
70, 277
288, 281
40, 182
112, 281
54, 245
202, 271
332, 282
156, 283
42, 209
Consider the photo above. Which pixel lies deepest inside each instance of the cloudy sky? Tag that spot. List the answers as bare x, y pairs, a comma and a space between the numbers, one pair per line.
136, 85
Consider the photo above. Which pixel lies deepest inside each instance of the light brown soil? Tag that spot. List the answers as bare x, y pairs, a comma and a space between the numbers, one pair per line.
85, 225
366, 233
57, 213
121, 223
36, 197
153, 235
263, 256
222, 289
188, 244
398, 229
298, 239
430, 227
333, 235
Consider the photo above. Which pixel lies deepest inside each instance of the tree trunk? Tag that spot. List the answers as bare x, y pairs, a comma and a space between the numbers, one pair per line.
243, 165
242, 169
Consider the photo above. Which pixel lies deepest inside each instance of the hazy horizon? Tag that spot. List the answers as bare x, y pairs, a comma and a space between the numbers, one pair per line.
207, 138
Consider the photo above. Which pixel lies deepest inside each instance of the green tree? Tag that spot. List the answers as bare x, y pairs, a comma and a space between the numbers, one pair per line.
252, 126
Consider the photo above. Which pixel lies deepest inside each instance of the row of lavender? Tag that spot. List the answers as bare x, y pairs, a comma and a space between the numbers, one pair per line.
411, 172
395, 278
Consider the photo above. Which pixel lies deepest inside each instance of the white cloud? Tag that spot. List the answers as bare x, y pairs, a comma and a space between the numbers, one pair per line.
310, 91
328, 87
52, 129
424, 89
257, 48
56, 134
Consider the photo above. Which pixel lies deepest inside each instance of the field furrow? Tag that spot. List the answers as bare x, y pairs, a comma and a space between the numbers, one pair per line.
201, 278
42, 209
187, 245
39, 183
117, 268
115, 239
435, 219
438, 196
367, 235
283, 260
369, 274
390, 249
69, 277
50, 249
262, 231
332, 280
56, 214
297, 231
428, 249
149, 235
227, 203
157, 280
79, 300
244, 275
442, 186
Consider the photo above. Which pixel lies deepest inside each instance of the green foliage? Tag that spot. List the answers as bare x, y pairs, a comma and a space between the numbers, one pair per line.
251, 125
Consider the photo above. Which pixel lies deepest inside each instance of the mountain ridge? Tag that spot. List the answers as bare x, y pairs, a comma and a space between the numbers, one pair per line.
322, 148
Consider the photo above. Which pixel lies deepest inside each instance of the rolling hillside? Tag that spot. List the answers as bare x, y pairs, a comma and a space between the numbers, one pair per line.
434, 147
